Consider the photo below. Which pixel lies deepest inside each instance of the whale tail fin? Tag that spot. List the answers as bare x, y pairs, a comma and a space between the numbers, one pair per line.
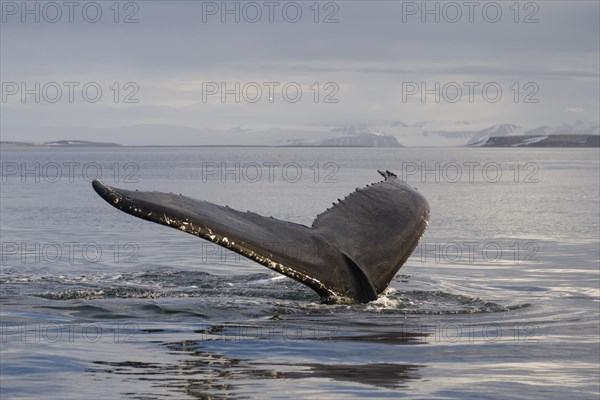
378, 226
352, 250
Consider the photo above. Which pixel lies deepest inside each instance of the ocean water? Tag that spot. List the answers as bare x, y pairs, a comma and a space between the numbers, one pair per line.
500, 299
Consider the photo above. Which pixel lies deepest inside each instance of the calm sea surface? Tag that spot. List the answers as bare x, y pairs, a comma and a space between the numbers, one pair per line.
500, 300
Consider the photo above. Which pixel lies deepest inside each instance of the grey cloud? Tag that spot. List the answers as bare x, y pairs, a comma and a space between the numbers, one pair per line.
369, 52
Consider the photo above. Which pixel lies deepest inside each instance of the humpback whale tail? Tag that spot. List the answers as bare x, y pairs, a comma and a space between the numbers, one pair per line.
352, 250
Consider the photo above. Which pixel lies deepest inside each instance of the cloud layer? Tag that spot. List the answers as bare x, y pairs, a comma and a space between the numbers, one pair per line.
351, 63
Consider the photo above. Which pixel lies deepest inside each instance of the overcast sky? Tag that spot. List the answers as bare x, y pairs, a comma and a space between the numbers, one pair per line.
368, 61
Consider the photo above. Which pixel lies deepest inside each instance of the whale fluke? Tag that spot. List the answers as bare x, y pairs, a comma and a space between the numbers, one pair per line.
352, 250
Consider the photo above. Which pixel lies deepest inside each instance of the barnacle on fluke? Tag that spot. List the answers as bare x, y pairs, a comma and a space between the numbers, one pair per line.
351, 251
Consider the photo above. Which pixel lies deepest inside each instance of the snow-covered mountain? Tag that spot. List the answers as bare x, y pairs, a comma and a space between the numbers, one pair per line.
362, 141
494, 131
476, 138
542, 131
578, 128
359, 136
573, 140
420, 134
355, 131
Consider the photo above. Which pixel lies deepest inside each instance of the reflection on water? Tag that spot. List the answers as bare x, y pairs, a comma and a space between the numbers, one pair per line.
208, 374
190, 321
262, 289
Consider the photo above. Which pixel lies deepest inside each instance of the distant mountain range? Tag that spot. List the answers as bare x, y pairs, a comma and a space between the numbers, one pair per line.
579, 128
481, 137
80, 143
61, 143
396, 134
367, 137
544, 141
362, 141
351, 136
